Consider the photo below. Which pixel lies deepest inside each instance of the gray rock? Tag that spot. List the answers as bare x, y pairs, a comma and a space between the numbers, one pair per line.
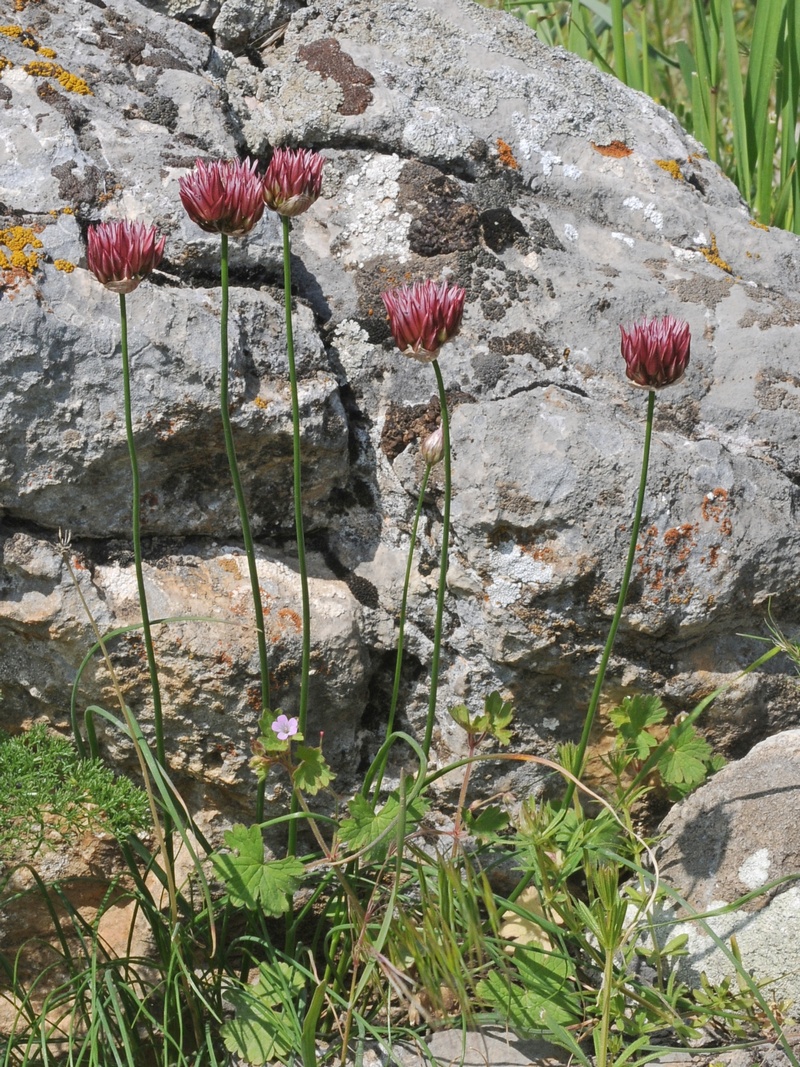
457, 147
736, 834
489, 1045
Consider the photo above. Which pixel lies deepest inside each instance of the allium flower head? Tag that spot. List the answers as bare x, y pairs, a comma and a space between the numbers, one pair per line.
293, 180
285, 727
424, 316
432, 448
223, 197
656, 352
121, 253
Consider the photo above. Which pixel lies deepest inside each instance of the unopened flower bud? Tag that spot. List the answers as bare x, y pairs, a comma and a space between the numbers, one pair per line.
432, 448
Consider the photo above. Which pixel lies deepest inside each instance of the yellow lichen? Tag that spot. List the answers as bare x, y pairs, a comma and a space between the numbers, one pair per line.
711, 252
672, 167
67, 211
40, 68
5, 64
21, 242
11, 31
759, 225
48, 53
65, 265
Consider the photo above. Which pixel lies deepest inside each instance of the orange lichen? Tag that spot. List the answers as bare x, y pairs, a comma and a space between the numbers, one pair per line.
672, 167
40, 68
286, 614
64, 265
615, 149
260, 402
711, 252
505, 155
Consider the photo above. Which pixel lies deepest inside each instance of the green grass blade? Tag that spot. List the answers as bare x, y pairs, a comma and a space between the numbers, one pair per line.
741, 162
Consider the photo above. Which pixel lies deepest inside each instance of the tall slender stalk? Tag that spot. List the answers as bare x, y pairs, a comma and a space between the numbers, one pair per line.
398, 666
437, 631
230, 448
297, 493
580, 754
158, 717
297, 481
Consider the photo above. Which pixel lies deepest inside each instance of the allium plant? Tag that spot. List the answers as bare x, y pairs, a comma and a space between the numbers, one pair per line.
423, 317
656, 354
226, 197
293, 181
291, 185
121, 254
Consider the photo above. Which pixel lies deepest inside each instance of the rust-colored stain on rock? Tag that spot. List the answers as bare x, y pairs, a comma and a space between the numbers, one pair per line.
327, 58
616, 149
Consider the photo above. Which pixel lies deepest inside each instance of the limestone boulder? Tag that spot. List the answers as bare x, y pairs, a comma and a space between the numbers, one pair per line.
734, 836
457, 147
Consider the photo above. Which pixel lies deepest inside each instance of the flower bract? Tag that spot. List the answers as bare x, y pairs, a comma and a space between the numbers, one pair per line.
424, 316
121, 253
293, 180
656, 351
225, 196
285, 727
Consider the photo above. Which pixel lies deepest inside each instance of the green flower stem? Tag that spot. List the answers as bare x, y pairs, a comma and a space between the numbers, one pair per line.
437, 632
298, 497
402, 626
305, 664
158, 717
577, 768
237, 482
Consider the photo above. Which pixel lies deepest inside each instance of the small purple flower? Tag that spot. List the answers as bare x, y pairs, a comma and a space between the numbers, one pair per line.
284, 727
424, 317
656, 352
121, 253
226, 196
293, 180
432, 448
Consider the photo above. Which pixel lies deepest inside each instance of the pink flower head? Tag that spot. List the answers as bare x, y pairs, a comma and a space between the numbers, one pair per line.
432, 448
223, 197
656, 352
424, 316
121, 253
293, 180
285, 728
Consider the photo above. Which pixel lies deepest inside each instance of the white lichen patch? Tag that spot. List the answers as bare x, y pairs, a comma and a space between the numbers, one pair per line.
378, 227
755, 869
633, 203
570, 232
629, 241
514, 572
